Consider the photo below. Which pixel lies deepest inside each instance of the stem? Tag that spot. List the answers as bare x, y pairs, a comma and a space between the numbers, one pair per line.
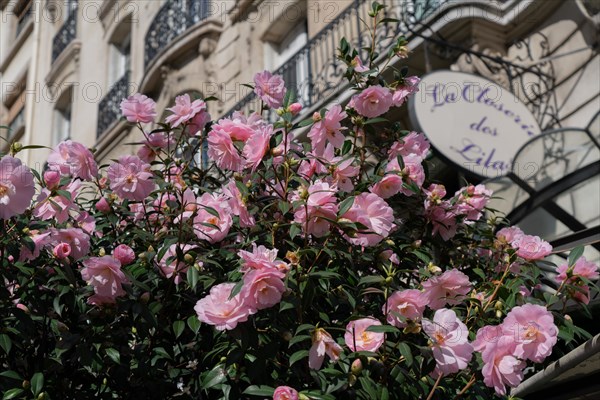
437, 382
467, 386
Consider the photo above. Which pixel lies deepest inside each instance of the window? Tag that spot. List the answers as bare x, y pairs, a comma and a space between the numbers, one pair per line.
295, 65
120, 60
15, 115
23, 11
62, 119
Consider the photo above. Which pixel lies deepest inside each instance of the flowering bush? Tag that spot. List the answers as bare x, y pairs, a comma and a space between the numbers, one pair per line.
326, 267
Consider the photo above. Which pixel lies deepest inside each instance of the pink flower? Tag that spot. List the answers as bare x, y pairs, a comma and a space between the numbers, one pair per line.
138, 108
500, 366
533, 330
450, 342
404, 305
263, 288
72, 158
39, 241
412, 173
57, 206
328, 129
321, 206
372, 102
443, 219
390, 185
219, 310
184, 110
222, 150
238, 205
130, 178
102, 205
373, 212
410, 86
509, 234
171, 266
213, 218
270, 88
341, 170
472, 200
359, 339
105, 275
322, 343
16, 187
261, 258
285, 393
74, 237
198, 123
531, 248
358, 65
256, 147
582, 269
449, 288
62, 250
124, 254
414, 144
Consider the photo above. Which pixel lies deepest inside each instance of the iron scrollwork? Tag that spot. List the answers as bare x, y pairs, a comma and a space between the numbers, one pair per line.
109, 109
174, 18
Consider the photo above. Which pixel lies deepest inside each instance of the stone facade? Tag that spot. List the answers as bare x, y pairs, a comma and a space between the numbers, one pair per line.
212, 48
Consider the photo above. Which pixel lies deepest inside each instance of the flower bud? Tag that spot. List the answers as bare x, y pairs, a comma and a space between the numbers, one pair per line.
352, 380
498, 305
145, 297
188, 258
102, 205
52, 179
295, 108
316, 117
101, 252
498, 314
61, 250
434, 269
356, 367
124, 254
287, 336
26, 384
15, 148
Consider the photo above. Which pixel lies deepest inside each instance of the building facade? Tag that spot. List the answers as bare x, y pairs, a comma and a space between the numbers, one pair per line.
65, 65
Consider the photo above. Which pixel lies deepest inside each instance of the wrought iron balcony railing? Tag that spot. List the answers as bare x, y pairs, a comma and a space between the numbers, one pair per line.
66, 34
25, 18
174, 18
315, 72
109, 109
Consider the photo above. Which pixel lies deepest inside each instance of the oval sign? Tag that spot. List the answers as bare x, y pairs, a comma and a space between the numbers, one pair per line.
473, 122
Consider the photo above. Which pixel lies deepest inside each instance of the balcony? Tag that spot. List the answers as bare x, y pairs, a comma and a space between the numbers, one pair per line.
314, 71
109, 110
66, 34
172, 20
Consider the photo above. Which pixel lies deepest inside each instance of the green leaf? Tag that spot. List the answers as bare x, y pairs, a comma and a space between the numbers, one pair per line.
383, 329
297, 356
178, 327
299, 338
11, 375
194, 323
37, 383
345, 205
260, 390
304, 123
114, 355
294, 231
376, 120
214, 377
236, 289
304, 327
5, 343
406, 353
575, 254
12, 394
192, 277
370, 279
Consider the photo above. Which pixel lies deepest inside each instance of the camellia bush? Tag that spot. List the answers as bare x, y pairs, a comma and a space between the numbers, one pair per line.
309, 260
